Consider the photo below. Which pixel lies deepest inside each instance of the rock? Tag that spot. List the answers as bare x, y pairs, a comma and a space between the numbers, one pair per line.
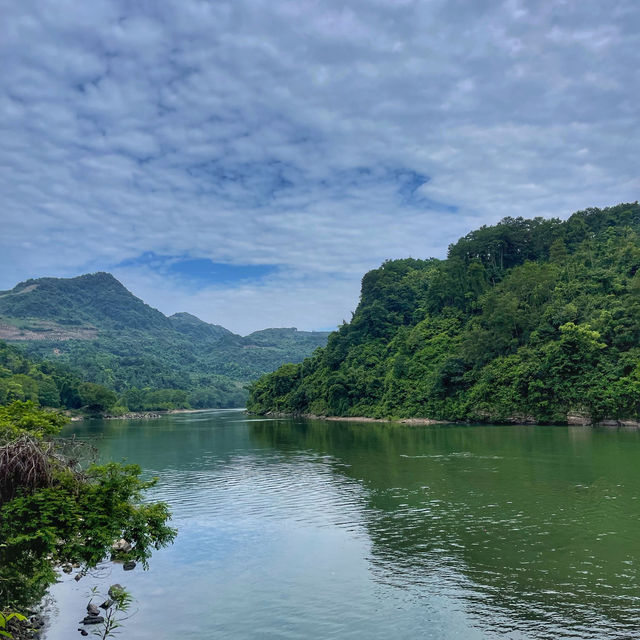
608, 422
121, 546
92, 610
93, 620
36, 621
127, 566
67, 568
577, 418
115, 589
83, 632
107, 603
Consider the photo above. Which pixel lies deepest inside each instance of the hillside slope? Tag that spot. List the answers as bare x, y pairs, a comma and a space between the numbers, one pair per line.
531, 320
48, 384
95, 325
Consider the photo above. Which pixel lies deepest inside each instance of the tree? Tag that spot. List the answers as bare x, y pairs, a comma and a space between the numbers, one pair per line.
96, 398
53, 512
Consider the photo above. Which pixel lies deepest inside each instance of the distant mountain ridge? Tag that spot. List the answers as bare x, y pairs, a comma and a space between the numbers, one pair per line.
192, 325
96, 325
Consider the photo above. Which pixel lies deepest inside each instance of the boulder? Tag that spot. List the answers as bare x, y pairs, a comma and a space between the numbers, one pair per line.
128, 566
36, 621
121, 546
92, 610
93, 620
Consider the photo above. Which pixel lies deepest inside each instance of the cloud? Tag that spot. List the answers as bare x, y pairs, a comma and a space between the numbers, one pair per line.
317, 139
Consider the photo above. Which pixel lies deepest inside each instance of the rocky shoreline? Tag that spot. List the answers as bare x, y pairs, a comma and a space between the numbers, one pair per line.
136, 415
573, 419
29, 629
365, 419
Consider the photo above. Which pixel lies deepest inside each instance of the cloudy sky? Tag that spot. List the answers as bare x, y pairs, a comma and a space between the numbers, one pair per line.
249, 160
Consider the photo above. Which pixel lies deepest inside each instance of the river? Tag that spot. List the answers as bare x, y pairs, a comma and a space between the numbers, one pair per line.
310, 529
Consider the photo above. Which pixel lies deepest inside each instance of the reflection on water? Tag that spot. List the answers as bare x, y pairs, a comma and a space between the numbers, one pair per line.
300, 529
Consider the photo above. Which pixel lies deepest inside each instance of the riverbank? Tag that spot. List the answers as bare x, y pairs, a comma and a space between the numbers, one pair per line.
573, 419
135, 415
313, 416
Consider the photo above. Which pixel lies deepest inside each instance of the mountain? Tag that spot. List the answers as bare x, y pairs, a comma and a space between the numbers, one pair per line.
110, 337
527, 320
192, 326
97, 300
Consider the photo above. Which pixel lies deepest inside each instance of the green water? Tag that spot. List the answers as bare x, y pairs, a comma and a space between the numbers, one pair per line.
312, 529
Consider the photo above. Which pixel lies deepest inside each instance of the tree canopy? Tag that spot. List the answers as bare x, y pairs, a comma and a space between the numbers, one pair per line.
526, 319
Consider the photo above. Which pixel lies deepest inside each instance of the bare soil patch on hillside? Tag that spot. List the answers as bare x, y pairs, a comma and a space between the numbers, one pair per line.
43, 330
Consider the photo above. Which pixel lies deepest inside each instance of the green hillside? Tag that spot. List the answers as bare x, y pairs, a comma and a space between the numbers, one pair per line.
96, 299
93, 324
525, 320
48, 384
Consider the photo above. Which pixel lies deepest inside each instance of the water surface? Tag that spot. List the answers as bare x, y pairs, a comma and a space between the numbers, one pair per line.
312, 529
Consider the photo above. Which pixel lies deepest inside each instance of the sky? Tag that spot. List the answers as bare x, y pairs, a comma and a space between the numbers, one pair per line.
248, 161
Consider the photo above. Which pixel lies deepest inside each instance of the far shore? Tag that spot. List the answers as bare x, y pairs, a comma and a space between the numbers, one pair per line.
573, 420
313, 416
146, 415
416, 421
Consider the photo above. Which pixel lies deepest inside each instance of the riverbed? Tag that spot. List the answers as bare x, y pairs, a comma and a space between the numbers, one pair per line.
295, 528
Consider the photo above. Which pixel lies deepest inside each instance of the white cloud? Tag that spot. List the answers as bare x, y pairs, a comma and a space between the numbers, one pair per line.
283, 133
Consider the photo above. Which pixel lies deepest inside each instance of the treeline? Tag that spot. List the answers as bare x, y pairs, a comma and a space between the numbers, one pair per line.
526, 319
48, 384
53, 385
222, 394
213, 371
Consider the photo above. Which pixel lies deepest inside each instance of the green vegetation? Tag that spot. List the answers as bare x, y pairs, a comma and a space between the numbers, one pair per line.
48, 384
527, 319
111, 338
6, 618
119, 601
54, 511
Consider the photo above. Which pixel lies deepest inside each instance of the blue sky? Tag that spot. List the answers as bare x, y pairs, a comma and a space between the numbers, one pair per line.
247, 161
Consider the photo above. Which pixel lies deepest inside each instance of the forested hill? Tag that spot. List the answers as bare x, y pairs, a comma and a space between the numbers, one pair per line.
525, 320
95, 300
93, 324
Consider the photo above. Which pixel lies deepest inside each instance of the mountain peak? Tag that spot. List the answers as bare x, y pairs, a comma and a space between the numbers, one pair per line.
93, 299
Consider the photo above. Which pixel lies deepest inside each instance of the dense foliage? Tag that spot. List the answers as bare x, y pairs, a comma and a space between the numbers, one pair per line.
48, 384
527, 319
52, 511
111, 338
